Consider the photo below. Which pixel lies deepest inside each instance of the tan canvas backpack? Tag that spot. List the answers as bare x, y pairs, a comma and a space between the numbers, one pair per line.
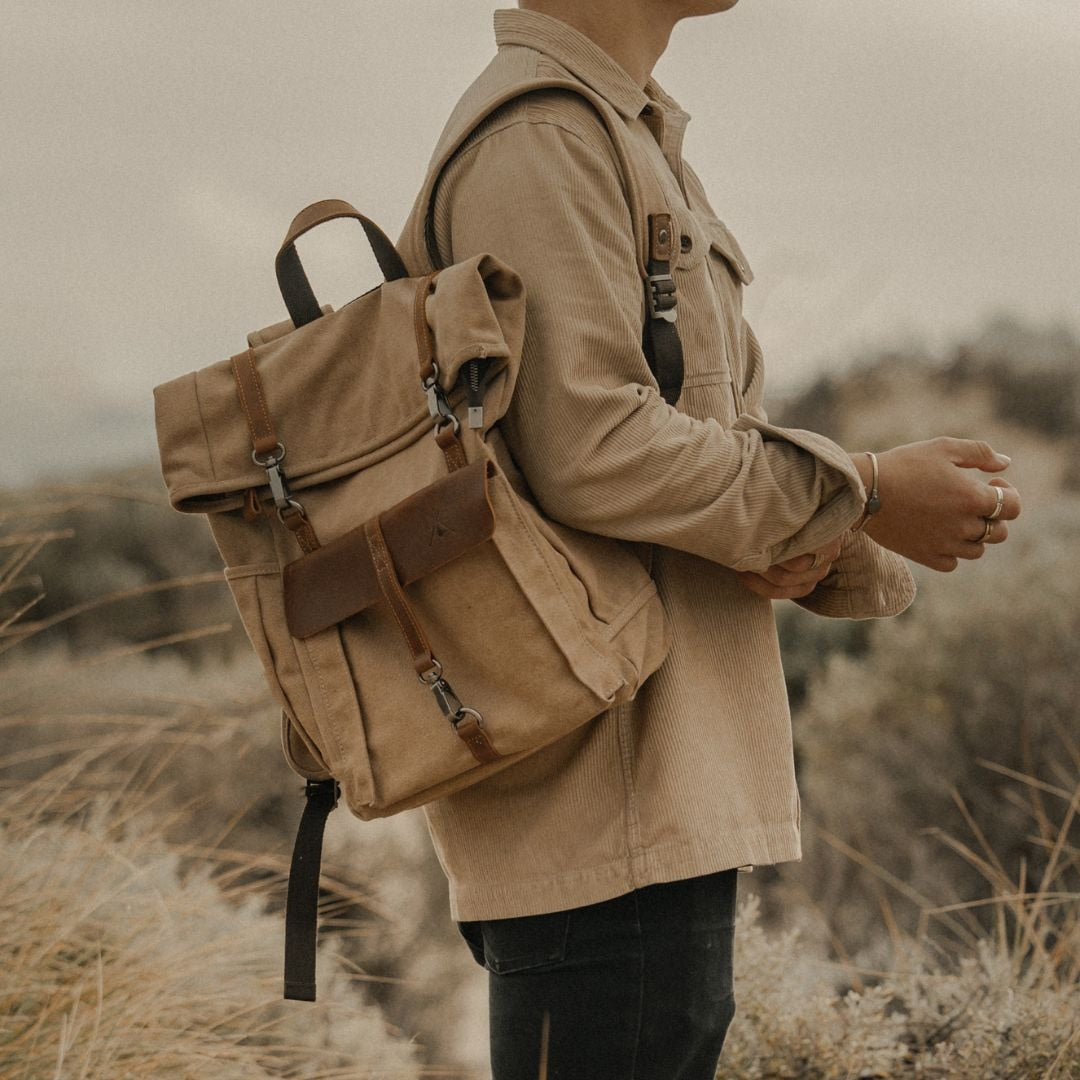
420, 621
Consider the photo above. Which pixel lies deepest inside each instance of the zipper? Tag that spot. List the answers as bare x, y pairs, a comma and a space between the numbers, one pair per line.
474, 394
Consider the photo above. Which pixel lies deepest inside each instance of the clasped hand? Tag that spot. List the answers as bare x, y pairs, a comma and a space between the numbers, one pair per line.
935, 510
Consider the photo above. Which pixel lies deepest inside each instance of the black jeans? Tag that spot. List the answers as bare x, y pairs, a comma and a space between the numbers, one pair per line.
635, 988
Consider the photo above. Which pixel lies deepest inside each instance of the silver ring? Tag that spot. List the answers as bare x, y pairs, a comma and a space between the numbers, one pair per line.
1000, 503
987, 531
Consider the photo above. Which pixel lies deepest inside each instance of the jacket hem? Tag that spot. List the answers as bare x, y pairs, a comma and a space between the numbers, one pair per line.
761, 846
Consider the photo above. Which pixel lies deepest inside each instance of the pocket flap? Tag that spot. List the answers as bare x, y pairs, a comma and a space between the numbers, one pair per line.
423, 532
722, 241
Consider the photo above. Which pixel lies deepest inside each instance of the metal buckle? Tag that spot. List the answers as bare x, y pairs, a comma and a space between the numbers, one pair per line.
663, 304
438, 406
275, 477
449, 703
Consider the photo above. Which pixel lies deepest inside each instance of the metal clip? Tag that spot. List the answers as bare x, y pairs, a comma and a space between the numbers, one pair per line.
438, 406
663, 303
275, 477
449, 703
278, 489
446, 699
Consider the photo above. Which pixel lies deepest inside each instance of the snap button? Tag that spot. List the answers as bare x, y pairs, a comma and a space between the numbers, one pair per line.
662, 236
686, 243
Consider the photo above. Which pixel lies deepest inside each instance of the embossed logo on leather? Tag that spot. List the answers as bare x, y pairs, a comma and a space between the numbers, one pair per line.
439, 530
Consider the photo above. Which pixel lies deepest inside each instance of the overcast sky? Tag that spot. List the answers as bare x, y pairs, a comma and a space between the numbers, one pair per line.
894, 171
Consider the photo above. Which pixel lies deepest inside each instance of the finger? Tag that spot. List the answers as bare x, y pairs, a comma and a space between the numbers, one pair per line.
829, 553
945, 564
786, 579
975, 454
757, 584
1010, 509
797, 565
981, 531
971, 550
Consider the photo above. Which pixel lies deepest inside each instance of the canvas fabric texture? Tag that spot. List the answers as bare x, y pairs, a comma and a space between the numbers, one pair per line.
496, 588
695, 774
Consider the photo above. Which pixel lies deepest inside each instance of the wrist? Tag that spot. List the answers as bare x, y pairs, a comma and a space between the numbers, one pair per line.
867, 465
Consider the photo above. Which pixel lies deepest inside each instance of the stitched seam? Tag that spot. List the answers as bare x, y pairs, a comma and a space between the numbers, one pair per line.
582, 627
243, 400
377, 550
202, 421
334, 733
250, 357
549, 123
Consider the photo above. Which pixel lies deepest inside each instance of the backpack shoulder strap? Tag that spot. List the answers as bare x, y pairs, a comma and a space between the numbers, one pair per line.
654, 234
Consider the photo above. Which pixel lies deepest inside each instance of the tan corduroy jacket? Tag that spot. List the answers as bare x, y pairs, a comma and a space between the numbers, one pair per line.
696, 774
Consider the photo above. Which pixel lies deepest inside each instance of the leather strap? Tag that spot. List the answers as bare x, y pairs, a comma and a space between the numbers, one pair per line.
253, 401
644, 195
292, 280
269, 452
465, 722
475, 738
302, 901
450, 444
660, 339
411, 630
446, 435
425, 343
295, 520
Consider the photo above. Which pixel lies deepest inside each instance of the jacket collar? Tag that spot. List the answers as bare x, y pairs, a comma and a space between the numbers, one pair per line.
582, 57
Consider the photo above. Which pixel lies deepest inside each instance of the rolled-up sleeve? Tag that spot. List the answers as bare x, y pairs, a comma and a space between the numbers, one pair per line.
600, 448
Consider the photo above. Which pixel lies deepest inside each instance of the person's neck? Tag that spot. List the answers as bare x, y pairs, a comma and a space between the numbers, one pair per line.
634, 33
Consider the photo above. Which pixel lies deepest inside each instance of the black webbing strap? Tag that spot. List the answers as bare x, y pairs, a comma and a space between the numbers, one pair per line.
660, 336
302, 901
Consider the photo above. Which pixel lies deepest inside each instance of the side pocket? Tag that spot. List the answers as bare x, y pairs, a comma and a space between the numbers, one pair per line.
322, 729
528, 943
295, 739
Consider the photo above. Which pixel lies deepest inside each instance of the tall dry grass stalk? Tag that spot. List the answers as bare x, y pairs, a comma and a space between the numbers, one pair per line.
125, 952
960, 1001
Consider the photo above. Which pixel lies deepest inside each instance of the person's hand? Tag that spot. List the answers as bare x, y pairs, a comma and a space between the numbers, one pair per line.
794, 578
935, 507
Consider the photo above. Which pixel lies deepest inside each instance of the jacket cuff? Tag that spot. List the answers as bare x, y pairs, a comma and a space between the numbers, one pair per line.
842, 494
867, 582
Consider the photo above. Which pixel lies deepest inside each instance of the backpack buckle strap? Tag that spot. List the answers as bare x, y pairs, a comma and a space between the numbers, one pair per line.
253, 401
302, 900
660, 336
268, 452
465, 722
663, 303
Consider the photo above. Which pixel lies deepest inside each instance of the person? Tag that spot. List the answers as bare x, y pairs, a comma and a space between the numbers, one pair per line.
596, 880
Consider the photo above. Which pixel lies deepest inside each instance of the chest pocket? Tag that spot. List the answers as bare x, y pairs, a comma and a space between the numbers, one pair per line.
709, 274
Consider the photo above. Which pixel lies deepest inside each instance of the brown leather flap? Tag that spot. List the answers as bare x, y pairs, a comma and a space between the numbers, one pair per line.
423, 532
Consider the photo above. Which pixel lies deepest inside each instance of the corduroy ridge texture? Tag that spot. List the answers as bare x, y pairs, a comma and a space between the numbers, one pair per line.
696, 773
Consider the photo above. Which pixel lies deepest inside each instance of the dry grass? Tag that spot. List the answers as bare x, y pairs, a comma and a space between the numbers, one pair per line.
956, 1002
126, 952
134, 947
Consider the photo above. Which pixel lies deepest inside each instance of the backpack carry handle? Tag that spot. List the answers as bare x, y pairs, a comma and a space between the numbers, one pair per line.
295, 288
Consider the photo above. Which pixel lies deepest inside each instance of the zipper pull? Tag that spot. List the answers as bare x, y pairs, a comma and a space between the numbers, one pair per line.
473, 394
